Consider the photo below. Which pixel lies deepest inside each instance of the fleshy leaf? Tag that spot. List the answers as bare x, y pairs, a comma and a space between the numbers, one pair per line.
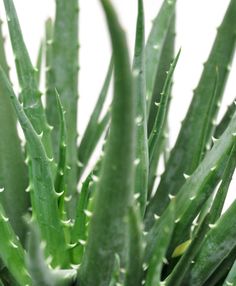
136, 241
11, 251
44, 198
141, 149
30, 95
65, 75
155, 44
186, 154
13, 172
108, 226
162, 241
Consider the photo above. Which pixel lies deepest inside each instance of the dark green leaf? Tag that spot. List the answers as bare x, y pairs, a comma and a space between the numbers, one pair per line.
141, 149
114, 193
65, 75
44, 198
186, 154
13, 172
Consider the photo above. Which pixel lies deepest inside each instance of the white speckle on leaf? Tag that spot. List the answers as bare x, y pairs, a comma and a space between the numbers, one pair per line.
136, 161
13, 244
186, 176
88, 213
139, 120
156, 47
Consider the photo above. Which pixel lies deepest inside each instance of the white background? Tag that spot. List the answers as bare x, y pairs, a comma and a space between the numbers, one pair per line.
196, 29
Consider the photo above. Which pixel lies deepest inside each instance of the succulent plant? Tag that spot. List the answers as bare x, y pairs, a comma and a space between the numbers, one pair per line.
63, 222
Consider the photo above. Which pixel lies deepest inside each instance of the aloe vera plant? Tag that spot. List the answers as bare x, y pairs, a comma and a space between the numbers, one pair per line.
65, 223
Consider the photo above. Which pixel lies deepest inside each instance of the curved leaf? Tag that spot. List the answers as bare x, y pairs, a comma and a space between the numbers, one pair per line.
186, 154
30, 94
141, 149
155, 45
44, 198
13, 172
65, 75
11, 251
108, 226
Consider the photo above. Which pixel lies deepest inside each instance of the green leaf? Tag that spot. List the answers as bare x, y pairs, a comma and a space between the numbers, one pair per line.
155, 45
44, 198
162, 240
186, 154
13, 172
39, 62
136, 241
38, 268
11, 251
6, 276
95, 126
201, 184
220, 128
166, 57
208, 129
3, 59
221, 194
155, 140
231, 277
177, 275
222, 270
65, 72
185, 220
141, 149
79, 230
60, 185
30, 94
216, 247
51, 103
114, 193
116, 272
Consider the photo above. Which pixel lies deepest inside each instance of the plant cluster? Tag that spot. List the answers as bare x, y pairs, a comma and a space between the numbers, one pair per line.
122, 225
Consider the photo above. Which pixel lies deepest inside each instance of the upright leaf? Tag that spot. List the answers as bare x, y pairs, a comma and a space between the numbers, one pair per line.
166, 57
39, 63
136, 241
231, 277
155, 140
155, 45
177, 275
141, 149
198, 187
65, 76
51, 110
221, 194
40, 272
222, 270
220, 128
60, 185
79, 230
114, 193
30, 95
44, 199
13, 174
216, 247
186, 154
11, 251
163, 238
